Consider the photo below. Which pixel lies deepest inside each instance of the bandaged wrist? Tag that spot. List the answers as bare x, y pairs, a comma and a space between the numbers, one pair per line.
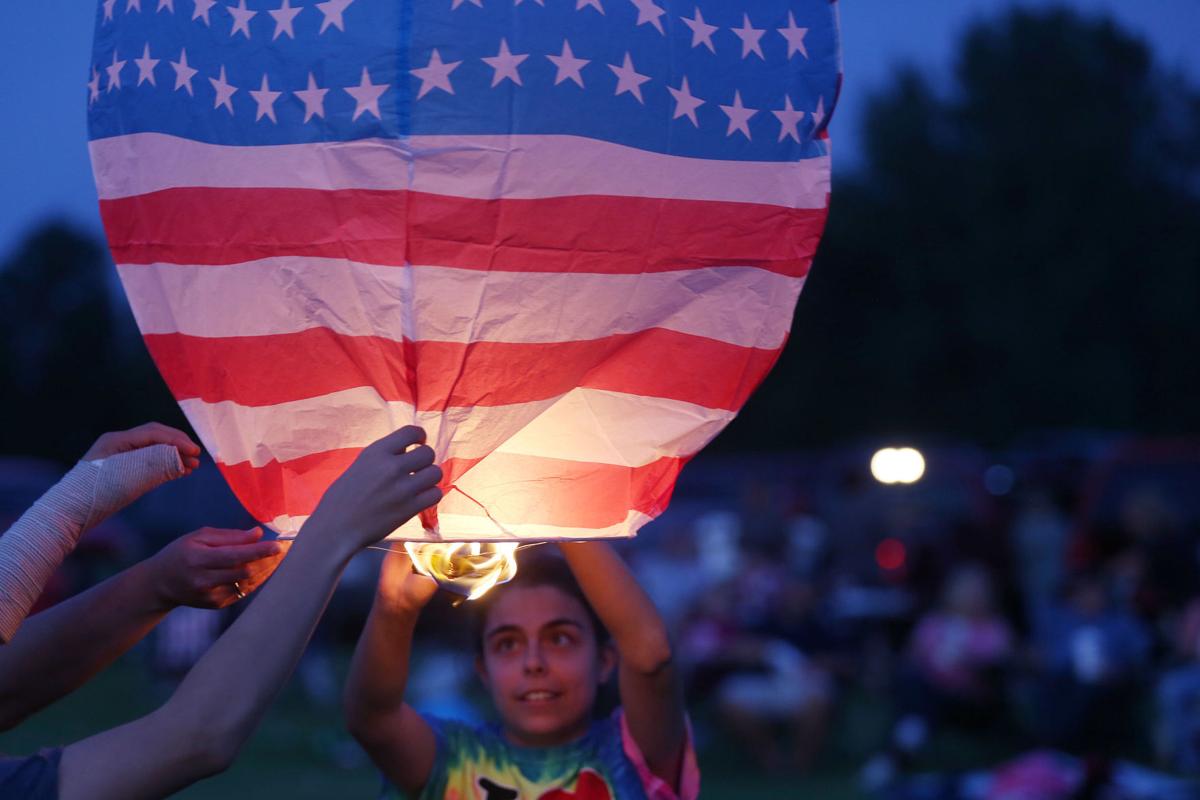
92, 491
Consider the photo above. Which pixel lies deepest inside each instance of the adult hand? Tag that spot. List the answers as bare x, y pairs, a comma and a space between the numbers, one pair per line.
151, 433
401, 586
200, 569
391, 481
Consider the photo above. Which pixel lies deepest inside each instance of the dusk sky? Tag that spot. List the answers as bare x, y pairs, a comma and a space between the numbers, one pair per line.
45, 48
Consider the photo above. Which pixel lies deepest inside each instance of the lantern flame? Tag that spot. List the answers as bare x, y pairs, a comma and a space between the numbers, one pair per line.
466, 568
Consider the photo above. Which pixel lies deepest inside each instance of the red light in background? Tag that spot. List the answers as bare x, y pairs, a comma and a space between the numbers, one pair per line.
890, 554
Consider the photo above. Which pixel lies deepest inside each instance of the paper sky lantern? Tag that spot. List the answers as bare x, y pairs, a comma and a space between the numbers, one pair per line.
565, 236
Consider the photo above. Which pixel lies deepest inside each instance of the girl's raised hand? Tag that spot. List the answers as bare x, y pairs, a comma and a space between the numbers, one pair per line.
401, 586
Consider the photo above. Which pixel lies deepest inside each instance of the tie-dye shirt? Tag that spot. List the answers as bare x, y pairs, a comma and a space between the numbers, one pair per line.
478, 763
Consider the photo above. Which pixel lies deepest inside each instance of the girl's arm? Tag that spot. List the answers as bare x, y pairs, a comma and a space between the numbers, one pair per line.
651, 692
399, 741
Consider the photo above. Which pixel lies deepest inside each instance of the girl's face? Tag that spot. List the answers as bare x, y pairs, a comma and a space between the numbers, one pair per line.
542, 665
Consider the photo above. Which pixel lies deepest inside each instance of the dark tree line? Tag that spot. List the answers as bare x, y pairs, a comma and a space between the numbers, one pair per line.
71, 362
1020, 251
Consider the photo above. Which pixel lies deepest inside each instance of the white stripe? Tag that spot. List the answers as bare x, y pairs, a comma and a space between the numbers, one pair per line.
351, 418
481, 167
743, 306
576, 426
459, 528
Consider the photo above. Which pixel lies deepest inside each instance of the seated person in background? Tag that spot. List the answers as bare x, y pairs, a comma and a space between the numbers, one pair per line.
202, 727
779, 699
1089, 653
956, 651
542, 652
952, 670
1178, 694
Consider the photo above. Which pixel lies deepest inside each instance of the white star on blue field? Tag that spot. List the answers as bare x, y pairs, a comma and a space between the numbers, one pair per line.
46, 66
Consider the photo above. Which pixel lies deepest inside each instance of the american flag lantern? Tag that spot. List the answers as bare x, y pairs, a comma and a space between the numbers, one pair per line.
566, 237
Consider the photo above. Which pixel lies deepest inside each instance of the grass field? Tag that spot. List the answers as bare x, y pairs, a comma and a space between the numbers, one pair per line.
302, 752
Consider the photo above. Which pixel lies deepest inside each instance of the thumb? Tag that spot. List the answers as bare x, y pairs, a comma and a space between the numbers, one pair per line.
396, 565
400, 578
423, 585
420, 586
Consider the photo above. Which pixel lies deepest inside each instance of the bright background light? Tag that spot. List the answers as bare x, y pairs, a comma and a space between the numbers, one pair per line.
898, 465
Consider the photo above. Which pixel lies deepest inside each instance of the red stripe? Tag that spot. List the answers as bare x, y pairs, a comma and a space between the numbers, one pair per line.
265, 370
532, 489
290, 487
524, 489
616, 235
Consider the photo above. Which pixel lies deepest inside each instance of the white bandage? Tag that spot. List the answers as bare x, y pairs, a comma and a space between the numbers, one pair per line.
32, 549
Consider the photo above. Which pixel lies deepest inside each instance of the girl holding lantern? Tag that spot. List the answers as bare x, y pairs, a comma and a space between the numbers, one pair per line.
543, 649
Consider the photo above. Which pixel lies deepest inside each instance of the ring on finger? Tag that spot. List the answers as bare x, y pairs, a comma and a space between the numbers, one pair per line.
237, 589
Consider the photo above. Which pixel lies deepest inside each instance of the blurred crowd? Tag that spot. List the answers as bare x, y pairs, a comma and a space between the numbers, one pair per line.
1050, 602
1046, 598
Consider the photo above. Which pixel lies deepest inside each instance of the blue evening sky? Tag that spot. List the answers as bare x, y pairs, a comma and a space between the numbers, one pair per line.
45, 47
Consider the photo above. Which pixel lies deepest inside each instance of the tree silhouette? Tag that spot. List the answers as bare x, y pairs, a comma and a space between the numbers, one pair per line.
71, 362
1022, 251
